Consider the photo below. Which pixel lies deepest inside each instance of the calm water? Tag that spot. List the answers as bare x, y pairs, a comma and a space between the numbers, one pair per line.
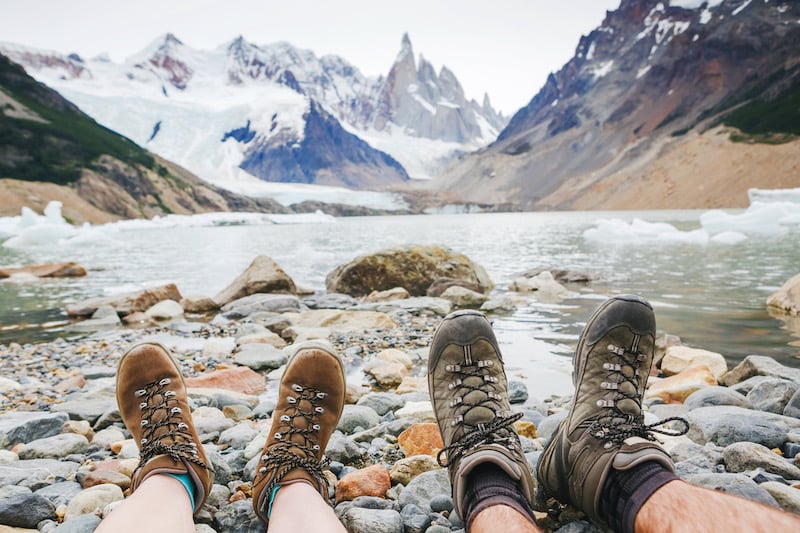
712, 296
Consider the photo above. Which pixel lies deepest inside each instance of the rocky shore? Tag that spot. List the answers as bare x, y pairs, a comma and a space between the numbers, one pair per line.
66, 458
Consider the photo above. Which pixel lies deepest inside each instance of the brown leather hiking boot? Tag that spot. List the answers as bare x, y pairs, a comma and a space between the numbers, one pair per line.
152, 401
605, 427
310, 401
469, 393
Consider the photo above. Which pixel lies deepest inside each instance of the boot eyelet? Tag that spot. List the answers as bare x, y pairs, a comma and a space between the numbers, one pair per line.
315, 447
143, 406
297, 388
143, 423
143, 442
321, 395
176, 410
164, 382
292, 400
262, 470
182, 426
315, 427
169, 394
278, 436
139, 393
285, 418
319, 410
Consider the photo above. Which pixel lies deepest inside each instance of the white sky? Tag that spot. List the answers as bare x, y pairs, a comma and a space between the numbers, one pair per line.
503, 47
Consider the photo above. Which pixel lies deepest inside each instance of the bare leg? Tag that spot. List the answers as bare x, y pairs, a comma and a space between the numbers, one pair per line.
299, 508
160, 503
679, 506
501, 518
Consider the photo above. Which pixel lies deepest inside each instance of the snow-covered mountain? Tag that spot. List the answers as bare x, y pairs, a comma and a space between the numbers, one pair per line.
653, 75
275, 112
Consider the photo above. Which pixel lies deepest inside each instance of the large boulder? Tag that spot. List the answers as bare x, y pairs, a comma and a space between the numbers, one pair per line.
262, 276
127, 303
414, 268
787, 299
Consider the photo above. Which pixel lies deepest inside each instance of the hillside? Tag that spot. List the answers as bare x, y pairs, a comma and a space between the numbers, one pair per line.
49, 149
634, 118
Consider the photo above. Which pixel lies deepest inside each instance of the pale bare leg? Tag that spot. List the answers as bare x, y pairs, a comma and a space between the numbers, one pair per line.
299, 508
501, 518
160, 503
679, 506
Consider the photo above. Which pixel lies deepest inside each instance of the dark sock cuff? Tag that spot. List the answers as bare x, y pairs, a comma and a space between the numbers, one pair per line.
488, 485
626, 491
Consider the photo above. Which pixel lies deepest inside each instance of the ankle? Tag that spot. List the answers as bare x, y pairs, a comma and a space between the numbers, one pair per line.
626, 491
489, 486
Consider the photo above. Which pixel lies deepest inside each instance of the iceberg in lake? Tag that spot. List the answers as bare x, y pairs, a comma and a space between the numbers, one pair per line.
771, 212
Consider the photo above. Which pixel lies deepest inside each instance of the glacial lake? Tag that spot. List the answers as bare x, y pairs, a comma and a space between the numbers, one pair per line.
711, 294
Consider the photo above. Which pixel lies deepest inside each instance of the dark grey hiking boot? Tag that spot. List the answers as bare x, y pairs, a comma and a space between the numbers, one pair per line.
469, 392
605, 428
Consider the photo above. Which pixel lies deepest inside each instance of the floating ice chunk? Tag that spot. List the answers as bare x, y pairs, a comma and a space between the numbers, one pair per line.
621, 232
729, 237
774, 195
759, 219
40, 235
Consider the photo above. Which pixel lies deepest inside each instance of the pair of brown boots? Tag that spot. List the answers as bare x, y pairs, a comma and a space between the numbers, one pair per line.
469, 393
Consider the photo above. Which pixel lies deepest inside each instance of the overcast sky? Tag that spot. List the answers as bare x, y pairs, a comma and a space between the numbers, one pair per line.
503, 47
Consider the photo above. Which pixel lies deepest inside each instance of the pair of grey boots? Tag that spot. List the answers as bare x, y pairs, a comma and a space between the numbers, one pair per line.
604, 429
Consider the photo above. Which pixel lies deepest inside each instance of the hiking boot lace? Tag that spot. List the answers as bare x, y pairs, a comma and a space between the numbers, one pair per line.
497, 431
616, 425
283, 456
170, 435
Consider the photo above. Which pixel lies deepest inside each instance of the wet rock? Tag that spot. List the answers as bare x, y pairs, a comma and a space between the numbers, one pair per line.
736, 484
93, 500
545, 286
360, 520
103, 318
675, 389
708, 396
440, 286
260, 357
421, 439
262, 276
21, 427
760, 365
725, 424
463, 298
420, 306
406, 469
773, 395
382, 402
354, 416
49, 270
742, 456
240, 379
424, 488
126, 304
166, 310
54, 447
26, 510
415, 268
371, 481
258, 303
679, 358
503, 304
787, 298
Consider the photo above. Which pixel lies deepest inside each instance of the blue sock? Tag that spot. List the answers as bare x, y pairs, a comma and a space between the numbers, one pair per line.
186, 481
272, 499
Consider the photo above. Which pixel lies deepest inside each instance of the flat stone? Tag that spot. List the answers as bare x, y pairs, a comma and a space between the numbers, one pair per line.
241, 379
675, 389
679, 358
422, 411
54, 447
89, 409
128, 303
199, 304
397, 293
257, 303
726, 424
386, 373
421, 439
736, 484
35, 473
382, 402
260, 357
22, 427
86, 523
330, 300
165, 310
354, 416
343, 321
421, 305
50, 270
708, 396
760, 365
463, 298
